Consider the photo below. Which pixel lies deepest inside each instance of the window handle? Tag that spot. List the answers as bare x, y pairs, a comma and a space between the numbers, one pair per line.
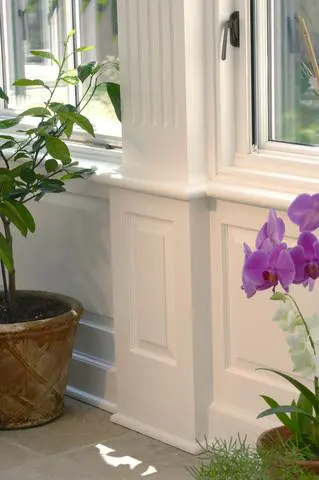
231, 26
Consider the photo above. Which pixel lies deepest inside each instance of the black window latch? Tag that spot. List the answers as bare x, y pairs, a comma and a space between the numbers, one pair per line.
231, 26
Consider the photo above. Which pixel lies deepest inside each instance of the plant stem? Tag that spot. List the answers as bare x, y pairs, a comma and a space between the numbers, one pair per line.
5, 285
12, 274
4, 159
47, 103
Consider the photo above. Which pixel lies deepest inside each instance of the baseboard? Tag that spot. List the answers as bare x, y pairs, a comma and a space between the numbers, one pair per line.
190, 447
227, 421
91, 399
93, 381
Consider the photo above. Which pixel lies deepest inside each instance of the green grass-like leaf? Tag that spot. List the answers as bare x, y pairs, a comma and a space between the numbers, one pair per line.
237, 460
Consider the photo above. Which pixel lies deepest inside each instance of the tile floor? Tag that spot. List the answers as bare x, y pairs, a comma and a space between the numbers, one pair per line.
85, 445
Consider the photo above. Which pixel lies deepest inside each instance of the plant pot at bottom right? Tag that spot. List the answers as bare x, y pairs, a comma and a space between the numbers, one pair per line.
273, 436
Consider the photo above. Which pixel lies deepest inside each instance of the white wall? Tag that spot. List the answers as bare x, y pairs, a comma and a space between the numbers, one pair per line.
70, 253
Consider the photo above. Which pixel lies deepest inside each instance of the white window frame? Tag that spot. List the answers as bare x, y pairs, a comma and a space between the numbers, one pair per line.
104, 148
234, 163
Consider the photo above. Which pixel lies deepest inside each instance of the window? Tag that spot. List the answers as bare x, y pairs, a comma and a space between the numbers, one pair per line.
43, 25
294, 89
287, 61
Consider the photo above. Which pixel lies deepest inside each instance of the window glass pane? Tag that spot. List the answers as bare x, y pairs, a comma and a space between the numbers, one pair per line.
101, 15
32, 25
293, 86
43, 25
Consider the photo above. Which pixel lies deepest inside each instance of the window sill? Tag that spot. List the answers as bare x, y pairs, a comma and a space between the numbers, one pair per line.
262, 188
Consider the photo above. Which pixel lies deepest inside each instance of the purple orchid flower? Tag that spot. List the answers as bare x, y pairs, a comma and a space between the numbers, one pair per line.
304, 212
267, 269
306, 259
271, 233
248, 286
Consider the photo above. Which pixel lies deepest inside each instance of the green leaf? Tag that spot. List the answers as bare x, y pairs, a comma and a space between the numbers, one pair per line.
3, 95
10, 122
304, 425
58, 149
21, 155
38, 144
26, 82
311, 397
85, 70
25, 215
9, 211
8, 144
70, 34
6, 253
51, 165
283, 417
85, 49
57, 107
80, 120
285, 409
7, 137
114, 91
51, 185
70, 79
28, 175
17, 170
36, 112
44, 54
71, 176
68, 130
5, 175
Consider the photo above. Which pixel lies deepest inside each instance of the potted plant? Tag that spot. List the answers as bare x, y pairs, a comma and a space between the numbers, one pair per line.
37, 329
273, 265
237, 460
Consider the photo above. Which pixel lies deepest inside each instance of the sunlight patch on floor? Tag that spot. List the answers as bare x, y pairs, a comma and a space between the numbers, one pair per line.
126, 460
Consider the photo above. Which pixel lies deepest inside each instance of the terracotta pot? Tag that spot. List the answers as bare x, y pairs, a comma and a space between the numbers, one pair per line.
33, 366
271, 436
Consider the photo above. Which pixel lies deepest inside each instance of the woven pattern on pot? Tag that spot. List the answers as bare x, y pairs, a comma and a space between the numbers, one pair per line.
33, 371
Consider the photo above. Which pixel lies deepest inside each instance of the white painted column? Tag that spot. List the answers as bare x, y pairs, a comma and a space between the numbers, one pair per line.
160, 225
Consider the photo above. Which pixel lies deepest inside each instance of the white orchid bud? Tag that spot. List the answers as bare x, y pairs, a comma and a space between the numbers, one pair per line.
287, 318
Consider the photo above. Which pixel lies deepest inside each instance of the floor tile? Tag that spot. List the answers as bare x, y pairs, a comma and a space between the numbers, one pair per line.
85, 445
96, 463
12, 455
80, 425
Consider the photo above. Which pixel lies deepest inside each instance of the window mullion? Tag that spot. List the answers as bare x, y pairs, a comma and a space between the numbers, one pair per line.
262, 77
70, 25
77, 43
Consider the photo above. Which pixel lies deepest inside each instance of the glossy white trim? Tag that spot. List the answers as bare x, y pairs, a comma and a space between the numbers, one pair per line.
161, 435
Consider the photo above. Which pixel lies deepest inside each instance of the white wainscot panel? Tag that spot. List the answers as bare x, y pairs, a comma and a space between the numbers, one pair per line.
70, 251
151, 260
244, 335
155, 312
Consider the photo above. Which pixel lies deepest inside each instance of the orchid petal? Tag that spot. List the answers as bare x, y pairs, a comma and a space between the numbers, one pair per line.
298, 257
247, 250
286, 269
304, 211
307, 241
255, 266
